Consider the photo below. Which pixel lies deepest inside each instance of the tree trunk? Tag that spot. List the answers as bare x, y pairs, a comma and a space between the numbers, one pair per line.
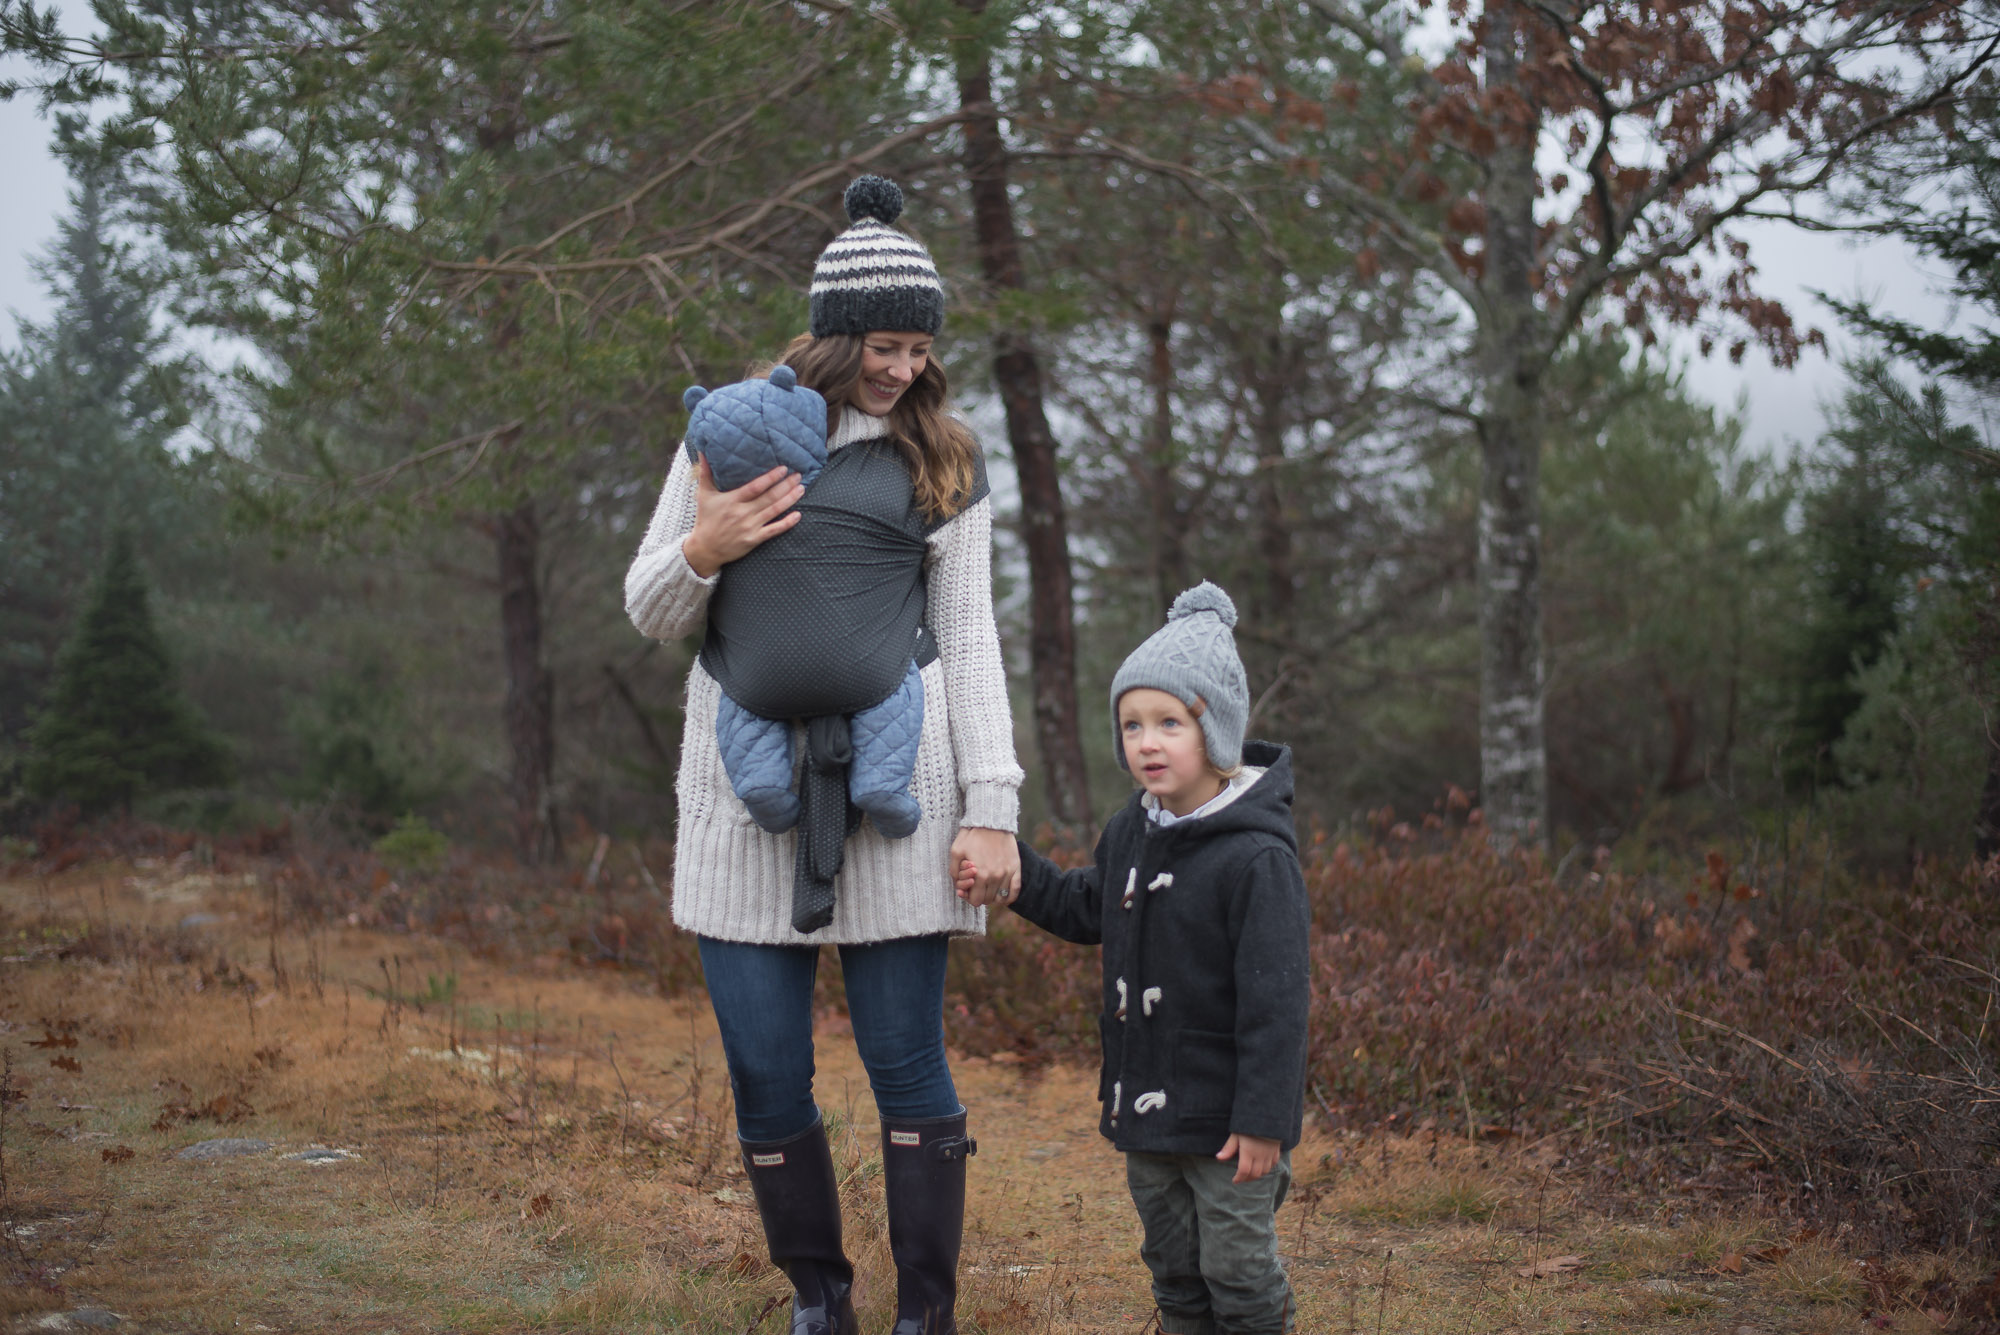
1513, 754
1681, 774
1170, 573
1274, 534
1986, 838
1044, 529
530, 688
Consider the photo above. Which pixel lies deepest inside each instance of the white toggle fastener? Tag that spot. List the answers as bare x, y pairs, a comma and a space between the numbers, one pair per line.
1116, 1088
1147, 1102
1147, 998
1121, 998
1162, 881
1131, 888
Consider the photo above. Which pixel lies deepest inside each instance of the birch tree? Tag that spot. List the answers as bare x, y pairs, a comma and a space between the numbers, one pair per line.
1589, 159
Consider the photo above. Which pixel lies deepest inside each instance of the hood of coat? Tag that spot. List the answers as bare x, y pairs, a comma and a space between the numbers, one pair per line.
1264, 807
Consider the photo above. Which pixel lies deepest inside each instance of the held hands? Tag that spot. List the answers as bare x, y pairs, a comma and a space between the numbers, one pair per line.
1254, 1156
729, 524
986, 866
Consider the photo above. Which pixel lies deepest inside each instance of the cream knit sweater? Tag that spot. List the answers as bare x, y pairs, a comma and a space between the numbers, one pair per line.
732, 881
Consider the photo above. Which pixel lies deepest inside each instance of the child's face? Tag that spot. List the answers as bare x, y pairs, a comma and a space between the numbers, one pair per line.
1164, 751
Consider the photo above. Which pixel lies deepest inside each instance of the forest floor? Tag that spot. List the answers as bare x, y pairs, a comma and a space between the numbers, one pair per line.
522, 1144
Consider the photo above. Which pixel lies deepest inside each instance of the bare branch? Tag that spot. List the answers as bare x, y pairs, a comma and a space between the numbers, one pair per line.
720, 235
1370, 38
812, 70
480, 439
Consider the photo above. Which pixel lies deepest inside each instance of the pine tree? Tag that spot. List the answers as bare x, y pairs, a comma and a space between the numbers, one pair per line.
116, 724
87, 405
1941, 195
1861, 563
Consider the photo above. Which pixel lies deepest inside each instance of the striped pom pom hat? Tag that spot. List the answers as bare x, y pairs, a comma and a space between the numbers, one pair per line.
875, 277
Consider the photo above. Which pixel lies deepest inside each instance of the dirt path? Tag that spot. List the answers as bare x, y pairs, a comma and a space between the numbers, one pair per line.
523, 1145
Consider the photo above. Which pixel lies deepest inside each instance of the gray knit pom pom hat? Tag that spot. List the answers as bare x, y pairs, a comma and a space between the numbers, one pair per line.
1193, 658
874, 277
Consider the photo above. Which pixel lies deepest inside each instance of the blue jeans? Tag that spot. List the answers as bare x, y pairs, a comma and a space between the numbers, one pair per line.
763, 1002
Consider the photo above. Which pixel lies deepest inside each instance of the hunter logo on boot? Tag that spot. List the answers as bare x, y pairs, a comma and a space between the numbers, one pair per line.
767, 1160
905, 1138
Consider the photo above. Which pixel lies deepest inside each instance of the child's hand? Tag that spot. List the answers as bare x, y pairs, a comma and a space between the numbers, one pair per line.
995, 860
1254, 1155
966, 877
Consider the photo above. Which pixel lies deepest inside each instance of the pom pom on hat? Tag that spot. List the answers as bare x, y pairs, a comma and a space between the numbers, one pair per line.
875, 197
1203, 597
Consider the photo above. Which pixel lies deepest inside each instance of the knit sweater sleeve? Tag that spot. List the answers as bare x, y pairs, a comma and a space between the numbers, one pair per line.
1268, 919
663, 595
960, 609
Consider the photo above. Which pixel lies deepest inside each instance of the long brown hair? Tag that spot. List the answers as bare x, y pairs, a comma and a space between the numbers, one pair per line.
938, 448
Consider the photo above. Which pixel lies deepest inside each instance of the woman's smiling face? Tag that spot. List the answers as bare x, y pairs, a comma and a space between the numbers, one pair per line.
890, 364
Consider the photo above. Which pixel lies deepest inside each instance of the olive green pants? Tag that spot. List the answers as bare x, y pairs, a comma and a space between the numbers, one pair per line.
1212, 1243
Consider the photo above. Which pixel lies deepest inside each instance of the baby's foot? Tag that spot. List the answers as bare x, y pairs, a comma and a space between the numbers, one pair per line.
895, 814
774, 809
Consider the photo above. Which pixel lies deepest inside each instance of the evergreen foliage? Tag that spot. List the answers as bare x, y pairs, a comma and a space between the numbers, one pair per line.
1941, 194
480, 250
1666, 573
1860, 563
1900, 640
116, 724
87, 405
360, 750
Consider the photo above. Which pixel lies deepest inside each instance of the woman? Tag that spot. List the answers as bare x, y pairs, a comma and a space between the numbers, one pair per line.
876, 306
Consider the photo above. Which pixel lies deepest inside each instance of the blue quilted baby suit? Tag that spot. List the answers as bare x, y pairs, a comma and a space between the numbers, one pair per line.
744, 430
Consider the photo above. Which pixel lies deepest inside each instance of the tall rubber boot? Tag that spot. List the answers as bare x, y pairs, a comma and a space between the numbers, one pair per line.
799, 1201
923, 1171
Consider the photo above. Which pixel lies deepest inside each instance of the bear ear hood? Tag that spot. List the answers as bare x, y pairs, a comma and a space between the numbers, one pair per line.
784, 377
695, 394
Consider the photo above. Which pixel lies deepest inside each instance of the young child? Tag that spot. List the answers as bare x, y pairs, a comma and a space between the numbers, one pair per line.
1197, 898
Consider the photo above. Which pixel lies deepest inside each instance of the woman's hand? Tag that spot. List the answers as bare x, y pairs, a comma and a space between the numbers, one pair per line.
985, 866
1254, 1155
728, 524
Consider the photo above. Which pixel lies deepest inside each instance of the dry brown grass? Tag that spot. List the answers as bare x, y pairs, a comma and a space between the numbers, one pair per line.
544, 1147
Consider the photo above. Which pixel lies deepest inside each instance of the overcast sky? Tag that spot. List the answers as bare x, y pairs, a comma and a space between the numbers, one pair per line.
1783, 406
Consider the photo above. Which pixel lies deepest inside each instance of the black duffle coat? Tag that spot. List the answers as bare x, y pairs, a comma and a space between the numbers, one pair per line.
1206, 986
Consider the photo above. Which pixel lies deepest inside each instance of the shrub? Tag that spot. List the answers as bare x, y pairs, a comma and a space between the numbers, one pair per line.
1858, 1067
413, 846
1848, 1068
